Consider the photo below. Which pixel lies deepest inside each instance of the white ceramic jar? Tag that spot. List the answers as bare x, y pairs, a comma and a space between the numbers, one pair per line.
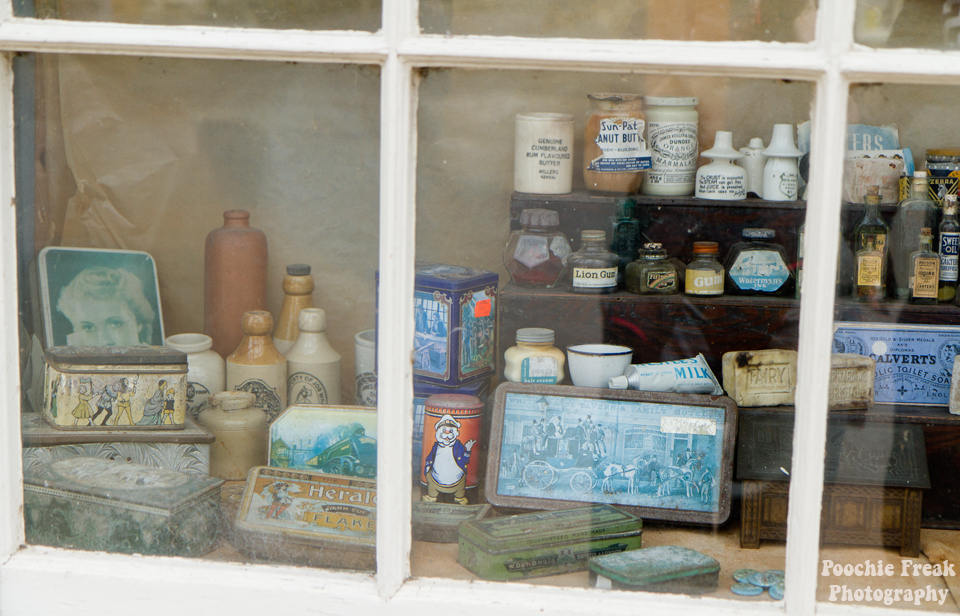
753, 162
313, 366
240, 430
206, 370
672, 133
543, 153
721, 179
781, 174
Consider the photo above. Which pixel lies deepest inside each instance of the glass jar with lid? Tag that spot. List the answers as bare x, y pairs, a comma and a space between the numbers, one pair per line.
652, 272
593, 268
704, 275
536, 255
534, 359
672, 123
615, 154
758, 266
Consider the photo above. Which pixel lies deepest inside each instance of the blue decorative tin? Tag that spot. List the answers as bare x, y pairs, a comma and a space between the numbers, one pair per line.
914, 362
422, 391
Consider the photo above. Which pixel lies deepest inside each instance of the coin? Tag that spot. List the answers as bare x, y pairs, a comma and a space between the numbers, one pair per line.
776, 591
743, 575
764, 579
746, 589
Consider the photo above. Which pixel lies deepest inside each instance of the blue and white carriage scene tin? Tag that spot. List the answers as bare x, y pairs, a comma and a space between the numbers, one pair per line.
667, 454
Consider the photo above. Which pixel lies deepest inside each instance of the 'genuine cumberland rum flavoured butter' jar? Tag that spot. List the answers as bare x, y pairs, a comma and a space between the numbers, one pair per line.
704, 275
672, 123
534, 359
615, 154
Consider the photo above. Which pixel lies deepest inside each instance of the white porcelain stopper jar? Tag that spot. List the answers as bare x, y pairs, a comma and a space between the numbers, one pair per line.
781, 174
543, 153
753, 162
721, 179
672, 133
240, 430
206, 370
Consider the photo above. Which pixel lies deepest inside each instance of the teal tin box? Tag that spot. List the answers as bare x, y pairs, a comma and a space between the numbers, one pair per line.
545, 543
666, 568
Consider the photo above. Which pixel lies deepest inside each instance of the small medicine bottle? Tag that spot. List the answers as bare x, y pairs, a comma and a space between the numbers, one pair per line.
593, 268
652, 272
704, 275
534, 359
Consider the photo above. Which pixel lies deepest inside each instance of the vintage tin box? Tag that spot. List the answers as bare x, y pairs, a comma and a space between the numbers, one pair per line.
422, 391
666, 568
440, 522
545, 543
115, 388
340, 440
186, 450
96, 504
308, 518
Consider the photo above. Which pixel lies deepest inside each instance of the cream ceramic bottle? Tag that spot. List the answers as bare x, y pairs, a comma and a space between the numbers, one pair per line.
313, 366
257, 367
240, 430
297, 294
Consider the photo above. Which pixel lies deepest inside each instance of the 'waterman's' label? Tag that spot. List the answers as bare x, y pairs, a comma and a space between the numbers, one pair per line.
591, 278
760, 270
703, 282
624, 149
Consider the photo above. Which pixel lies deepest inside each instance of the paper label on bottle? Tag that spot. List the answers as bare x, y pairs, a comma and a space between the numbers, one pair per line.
703, 282
721, 185
624, 149
759, 270
661, 281
869, 269
539, 370
594, 278
925, 278
949, 245
674, 146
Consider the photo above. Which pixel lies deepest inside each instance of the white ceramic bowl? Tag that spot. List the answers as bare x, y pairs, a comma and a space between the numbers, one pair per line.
593, 365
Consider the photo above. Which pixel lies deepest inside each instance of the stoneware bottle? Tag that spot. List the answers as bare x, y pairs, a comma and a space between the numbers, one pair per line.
206, 371
753, 162
721, 179
240, 430
781, 174
257, 367
234, 278
297, 295
313, 367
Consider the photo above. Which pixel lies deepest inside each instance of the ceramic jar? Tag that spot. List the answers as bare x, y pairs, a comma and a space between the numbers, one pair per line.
206, 370
721, 179
534, 359
365, 367
240, 430
672, 126
257, 367
753, 162
234, 278
297, 294
543, 153
313, 367
781, 174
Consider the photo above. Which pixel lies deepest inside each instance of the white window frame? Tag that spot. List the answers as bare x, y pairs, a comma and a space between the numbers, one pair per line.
37, 580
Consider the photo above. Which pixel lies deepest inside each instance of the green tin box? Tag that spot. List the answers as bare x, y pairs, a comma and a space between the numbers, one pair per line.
96, 504
545, 543
667, 568
440, 522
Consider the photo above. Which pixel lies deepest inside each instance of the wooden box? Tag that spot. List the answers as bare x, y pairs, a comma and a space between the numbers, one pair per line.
874, 475
547, 543
667, 568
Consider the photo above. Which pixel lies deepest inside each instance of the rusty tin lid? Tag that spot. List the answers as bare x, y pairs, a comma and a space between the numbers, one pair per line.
114, 356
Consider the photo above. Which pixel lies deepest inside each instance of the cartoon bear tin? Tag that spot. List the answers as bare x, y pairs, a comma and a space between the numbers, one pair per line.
115, 388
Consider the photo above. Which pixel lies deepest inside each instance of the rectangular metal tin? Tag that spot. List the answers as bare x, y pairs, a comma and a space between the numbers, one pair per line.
545, 543
129, 391
661, 425
440, 522
340, 440
96, 504
914, 362
659, 569
308, 518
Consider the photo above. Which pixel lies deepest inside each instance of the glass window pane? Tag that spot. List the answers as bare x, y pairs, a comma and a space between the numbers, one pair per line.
546, 449
177, 198
889, 494
300, 14
690, 20
907, 23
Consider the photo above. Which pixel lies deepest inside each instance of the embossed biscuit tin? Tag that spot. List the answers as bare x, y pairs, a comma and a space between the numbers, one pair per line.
307, 518
97, 504
545, 543
115, 388
666, 568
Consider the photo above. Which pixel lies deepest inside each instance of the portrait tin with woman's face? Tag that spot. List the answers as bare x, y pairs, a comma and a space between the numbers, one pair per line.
99, 297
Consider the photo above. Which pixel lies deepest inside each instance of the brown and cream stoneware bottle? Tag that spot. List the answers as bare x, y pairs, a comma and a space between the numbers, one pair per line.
297, 295
257, 367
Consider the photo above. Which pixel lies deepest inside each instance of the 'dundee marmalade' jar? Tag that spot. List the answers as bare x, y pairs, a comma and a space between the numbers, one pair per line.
534, 359
758, 266
704, 275
536, 256
240, 430
593, 268
615, 154
672, 123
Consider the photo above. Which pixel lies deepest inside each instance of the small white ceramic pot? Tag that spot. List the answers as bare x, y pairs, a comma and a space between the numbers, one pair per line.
206, 370
781, 174
593, 365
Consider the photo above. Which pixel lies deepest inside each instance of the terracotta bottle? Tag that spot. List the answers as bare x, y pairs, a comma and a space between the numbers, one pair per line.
234, 278
240, 430
297, 295
313, 367
257, 367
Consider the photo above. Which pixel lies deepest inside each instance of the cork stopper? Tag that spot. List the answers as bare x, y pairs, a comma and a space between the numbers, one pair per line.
706, 248
949, 204
926, 231
233, 400
919, 174
298, 269
256, 323
539, 217
312, 320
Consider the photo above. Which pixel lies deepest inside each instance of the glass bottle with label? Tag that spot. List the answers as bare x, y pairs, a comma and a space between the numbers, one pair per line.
704, 275
916, 212
626, 236
652, 272
672, 134
924, 270
534, 359
872, 224
615, 154
949, 244
593, 268
870, 285
536, 256
758, 266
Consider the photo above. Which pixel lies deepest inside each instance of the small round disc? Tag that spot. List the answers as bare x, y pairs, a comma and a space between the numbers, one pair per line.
776, 591
743, 575
746, 589
764, 579
775, 574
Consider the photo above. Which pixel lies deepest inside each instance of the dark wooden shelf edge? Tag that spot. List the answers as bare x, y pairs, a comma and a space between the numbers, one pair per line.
580, 197
891, 413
